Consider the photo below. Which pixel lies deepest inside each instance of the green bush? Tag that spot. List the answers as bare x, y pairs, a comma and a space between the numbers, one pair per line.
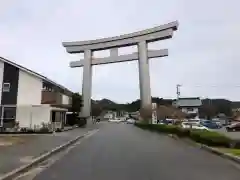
183, 132
202, 136
43, 130
162, 128
210, 138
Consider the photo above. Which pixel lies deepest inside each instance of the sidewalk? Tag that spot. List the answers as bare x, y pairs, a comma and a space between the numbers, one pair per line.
32, 146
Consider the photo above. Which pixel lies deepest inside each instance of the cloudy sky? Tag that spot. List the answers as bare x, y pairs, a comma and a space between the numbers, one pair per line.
203, 54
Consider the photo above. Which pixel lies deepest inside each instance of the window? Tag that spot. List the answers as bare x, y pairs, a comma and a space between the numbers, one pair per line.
190, 109
6, 87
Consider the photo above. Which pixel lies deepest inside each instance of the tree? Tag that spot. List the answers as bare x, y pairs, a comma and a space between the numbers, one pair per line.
76, 103
96, 110
164, 112
212, 107
207, 111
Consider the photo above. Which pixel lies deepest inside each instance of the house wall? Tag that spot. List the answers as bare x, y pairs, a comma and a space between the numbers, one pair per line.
1, 78
32, 116
29, 89
65, 99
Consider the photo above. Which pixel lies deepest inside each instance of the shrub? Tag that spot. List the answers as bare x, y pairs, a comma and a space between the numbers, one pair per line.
43, 130
202, 136
183, 132
162, 128
210, 138
235, 144
27, 130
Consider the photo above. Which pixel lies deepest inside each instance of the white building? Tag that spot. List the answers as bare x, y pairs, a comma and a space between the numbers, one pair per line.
108, 115
29, 98
189, 106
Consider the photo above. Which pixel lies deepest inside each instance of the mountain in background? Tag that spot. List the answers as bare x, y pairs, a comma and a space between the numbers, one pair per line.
210, 107
105, 102
235, 104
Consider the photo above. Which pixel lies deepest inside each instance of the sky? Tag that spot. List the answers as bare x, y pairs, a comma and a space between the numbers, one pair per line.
203, 54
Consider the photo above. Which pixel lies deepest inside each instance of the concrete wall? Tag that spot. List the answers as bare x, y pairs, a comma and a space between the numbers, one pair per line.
1, 78
29, 89
32, 116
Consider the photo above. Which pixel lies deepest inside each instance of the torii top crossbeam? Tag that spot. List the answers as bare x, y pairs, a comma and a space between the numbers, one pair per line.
149, 35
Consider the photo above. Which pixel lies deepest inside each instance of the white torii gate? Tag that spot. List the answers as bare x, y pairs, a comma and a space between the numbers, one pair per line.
141, 39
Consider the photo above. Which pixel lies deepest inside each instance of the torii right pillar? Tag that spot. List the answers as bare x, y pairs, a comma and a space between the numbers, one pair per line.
144, 79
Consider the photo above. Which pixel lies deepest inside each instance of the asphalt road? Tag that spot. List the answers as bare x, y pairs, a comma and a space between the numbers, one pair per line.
124, 152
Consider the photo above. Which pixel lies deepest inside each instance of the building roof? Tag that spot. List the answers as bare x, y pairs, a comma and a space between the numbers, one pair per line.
188, 102
35, 74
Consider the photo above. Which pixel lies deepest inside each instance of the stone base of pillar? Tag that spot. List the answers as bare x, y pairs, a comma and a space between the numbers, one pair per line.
146, 114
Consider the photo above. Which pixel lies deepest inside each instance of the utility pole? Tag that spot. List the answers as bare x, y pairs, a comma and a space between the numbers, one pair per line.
178, 91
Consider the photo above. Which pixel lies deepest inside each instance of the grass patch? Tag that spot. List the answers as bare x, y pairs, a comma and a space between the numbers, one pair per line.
235, 152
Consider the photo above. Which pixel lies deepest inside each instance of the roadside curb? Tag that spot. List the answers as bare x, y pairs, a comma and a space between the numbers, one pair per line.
69, 129
209, 149
219, 153
24, 168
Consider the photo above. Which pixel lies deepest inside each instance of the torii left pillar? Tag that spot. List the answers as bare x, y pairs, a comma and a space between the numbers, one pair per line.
87, 84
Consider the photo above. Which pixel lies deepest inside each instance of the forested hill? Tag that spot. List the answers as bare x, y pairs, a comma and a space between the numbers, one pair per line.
214, 106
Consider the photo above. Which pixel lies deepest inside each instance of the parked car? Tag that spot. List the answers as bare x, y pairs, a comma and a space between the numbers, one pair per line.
115, 120
197, 121
210, 124
200, 127
166, 121
163, 122
233, 127
218, 123
193, 125
131, 121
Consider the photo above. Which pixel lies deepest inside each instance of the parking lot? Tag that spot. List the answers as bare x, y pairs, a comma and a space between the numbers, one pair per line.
233, 135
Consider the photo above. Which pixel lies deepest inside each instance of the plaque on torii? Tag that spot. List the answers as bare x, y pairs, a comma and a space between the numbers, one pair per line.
140, 38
